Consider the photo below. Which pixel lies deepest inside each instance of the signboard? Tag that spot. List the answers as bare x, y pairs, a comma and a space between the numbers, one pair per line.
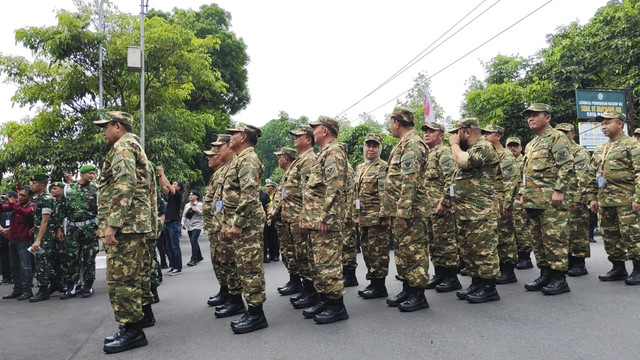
591, 103
591, 134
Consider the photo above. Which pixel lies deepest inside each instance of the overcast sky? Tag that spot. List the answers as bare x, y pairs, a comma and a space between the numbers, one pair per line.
319, 57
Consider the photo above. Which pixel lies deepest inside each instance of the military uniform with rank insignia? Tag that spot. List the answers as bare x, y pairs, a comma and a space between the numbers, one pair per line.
523, 239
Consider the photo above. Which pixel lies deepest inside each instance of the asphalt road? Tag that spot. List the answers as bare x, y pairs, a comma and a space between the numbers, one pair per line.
596, 320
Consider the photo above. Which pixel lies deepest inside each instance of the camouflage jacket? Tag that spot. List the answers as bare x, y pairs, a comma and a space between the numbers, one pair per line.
218, 183
473, 187
80, 202
369, 192
579, 184
126, 188
208, 205
45, 204
405, 194
288, 198
506, 179
618, 164
548, 166
323, 198
348, 191
440, 170
241, 190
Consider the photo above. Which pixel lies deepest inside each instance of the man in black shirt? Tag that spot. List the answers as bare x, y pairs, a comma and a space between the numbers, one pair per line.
172, 219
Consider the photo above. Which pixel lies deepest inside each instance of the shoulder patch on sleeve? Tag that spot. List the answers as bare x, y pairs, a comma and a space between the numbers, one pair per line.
408, 161
561, 153
330, 168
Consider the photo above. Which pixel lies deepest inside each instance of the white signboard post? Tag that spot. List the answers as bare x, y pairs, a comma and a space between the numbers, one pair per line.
591, 134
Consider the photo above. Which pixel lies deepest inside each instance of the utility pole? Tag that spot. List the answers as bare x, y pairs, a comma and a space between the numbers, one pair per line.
143, 7
631, 119
100, 30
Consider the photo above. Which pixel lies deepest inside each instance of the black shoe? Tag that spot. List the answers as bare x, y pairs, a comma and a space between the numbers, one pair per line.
56, 286
366, 289
292, 286
416, 301
220, 307
476, 284
6, 281
220, 298
41, 295
634, 278
316, 309
524, 261
449, 281
307, 300
401, 297
579, 268
592, 240
25, 295
377, 289
148, 320
156, 297
618, 272
70, 292
296, 297
436, 279
349, 277
252, 320
487, 292
543, 280
507, 276
13, 295
116, 336
235, 306
87, 289
266, 260
130, 339
558, 284
192, 263
463, 272
335, 311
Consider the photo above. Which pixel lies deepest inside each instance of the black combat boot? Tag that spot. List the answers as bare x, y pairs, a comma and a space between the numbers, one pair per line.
130, 337
316, 309
154, 291
14, 295
377, 290
116, 336
401, 297
235, 306
487, 292
69, 292
416, 301
220, 298
41, 295
618, 272
578, 268
57, 285
476, 284
335, 311
87, 289
148, 320
306, 286
507, 275
558, 284
634, 278
524, 261
293, 286
450, 280
349, 277
543, 280
437, 278
366, 289
309, 298
252, 320
572, 260
25, 295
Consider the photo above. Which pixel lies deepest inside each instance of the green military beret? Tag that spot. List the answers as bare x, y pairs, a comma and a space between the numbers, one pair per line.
433, 126
468, 123
493, 128
564, 127
537, 107
245, 128
87, 168
40, 177
373, 137
611, 114
329, 122
514, 140
405, 112
221, 140
59, 184
119, 116
302, 130
287, 151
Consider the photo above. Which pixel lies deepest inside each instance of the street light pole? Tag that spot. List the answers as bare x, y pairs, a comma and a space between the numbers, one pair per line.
142, 13
100, 29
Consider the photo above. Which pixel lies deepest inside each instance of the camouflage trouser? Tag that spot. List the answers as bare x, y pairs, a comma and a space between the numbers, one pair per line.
578, 232
441, 238
48, 263
327, 262
548, 229
125, 261
411, 253
81, 246
303, 253
214, 244
147, 272
507, 248
374, 241
248, 254
286, 247
621, 232
349, 246
523, 238
478, 241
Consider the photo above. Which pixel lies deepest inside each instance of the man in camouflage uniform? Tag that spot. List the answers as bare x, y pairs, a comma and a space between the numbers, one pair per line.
243, 221
323, 215
349, 241
369, 216
548, 166
615, 194
578, 224
506, 187
472, 198
441, 235
636, 134
523, 240
406, 205
80, 208
125, 218
60, 254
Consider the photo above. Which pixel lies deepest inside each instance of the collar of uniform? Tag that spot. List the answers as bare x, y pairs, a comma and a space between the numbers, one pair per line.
245, 151
411, 133
622, 137
305, 152
333, 141
438, 145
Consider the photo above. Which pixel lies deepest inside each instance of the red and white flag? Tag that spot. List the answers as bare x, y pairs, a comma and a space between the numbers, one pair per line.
429, 111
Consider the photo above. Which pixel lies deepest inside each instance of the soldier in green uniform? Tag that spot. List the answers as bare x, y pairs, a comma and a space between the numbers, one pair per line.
615, 194
369, 216
349, 241
323, 215
125, 219
548, 166
578, 225
441, 235
243, 222
472, 198
523, 240
60, 254
406, 205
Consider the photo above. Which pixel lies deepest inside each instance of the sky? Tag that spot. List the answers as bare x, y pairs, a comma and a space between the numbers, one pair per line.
312, 58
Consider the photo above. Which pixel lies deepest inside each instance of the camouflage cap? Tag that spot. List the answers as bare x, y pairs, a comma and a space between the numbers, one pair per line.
59, 184
433, 126
468, 123
40, 177
213, 151
373, 137
245, 128
636, 131
221, 140
537, 107
119, 116
611, 114
329, 122
302, 130
287, 151
405, 112
87, 168
270, 182
564, 127
493, 128
514, 140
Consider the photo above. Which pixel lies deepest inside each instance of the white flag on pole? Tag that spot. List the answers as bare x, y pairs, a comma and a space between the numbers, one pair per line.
429, 111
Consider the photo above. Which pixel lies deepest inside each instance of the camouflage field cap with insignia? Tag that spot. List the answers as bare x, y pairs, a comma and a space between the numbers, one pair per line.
493, 128
119, 116
221, 140
59, 184
373, 137
87, 168
636, 131
514, 140
405, 112
213, 151
245, 128
329, 122
287, 151
565, 127
39, 177
302, 130
611, 114
537, 107
433, 126
270, 182
468, 123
